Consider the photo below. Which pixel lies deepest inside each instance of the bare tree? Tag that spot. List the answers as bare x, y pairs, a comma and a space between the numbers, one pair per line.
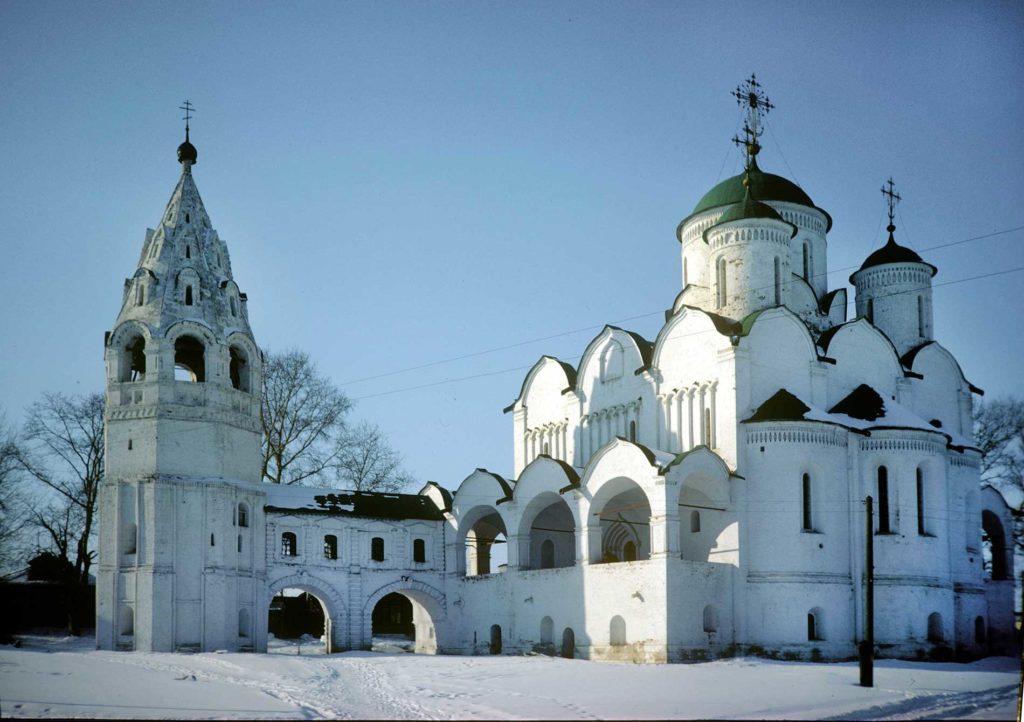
367, 462
63, 452
999, 433
14, 510
303, 415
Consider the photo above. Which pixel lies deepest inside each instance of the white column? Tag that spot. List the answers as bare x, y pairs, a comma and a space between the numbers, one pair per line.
689, 418
713, 442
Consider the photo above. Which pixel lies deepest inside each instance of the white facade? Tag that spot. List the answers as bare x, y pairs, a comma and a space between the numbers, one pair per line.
673, 499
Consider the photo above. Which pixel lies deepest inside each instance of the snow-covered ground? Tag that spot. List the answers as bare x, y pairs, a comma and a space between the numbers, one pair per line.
64, 677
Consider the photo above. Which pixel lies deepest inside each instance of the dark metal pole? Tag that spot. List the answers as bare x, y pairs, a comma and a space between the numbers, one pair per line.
867, 646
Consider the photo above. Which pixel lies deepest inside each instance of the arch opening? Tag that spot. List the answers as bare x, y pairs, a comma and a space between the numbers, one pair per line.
486, 544
393, 629
189, 359
550, 533
624, 521
132, 361
298, 623
239, 369
993, 544
935, 632
568, 643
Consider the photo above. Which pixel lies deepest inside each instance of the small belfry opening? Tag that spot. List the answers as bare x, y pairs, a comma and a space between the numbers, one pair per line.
297, 623
239, 369
189, 360
132, 361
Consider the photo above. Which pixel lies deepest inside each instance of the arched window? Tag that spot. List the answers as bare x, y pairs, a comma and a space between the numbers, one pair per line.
547, 631
814, 625
188, 295
330, 547
495, 645
979, 630
243, 515
244, 625
140, 293
189, 359
234, 306
617, 631
632, 431
239, 369
778, 281
547, 554
710, 619
808, 521
935, 633
188, 251
883, 500
289, 545
694, 521
377, 549
920, 502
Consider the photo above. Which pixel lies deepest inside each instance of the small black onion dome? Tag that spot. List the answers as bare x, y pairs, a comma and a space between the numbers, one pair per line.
893, 252
187, 151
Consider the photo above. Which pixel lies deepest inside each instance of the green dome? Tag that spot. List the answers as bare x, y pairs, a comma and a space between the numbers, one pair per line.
763, 187
746, 209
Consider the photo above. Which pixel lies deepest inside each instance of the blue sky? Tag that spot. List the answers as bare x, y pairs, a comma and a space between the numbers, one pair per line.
404, 183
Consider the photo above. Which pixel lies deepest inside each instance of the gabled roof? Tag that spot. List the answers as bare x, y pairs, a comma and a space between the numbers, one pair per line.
781, 406
333, 502
863, 403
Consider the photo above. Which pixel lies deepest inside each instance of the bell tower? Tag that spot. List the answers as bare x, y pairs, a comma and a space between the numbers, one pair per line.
181, 512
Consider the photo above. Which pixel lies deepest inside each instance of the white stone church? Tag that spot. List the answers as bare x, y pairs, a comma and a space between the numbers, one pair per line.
694, 495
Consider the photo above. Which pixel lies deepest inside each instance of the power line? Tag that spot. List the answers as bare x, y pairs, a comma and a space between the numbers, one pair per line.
593, 327
692, 333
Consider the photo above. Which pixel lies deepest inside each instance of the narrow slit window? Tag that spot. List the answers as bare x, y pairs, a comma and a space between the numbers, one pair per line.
778, 282
883, 500
920, 503
188, 295
808, 524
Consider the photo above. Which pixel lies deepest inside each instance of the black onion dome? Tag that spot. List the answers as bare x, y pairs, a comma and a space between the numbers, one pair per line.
893, 252
187, 151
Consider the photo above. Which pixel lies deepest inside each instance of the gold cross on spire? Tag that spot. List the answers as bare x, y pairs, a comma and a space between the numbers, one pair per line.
751, 94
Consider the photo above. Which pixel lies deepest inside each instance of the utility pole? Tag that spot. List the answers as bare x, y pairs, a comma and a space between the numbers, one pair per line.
867, 646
